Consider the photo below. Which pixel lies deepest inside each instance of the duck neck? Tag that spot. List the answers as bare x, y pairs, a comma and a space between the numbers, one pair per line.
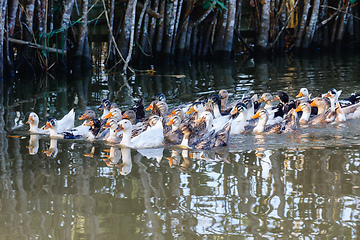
223, 103
321, 108
54, 133
126, 140
305, 116
261, 125
241, 117
333, 102
185, 141
250, 113
34, 128
217, 111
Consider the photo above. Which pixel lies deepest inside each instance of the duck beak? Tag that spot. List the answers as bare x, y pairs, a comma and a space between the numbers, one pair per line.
298, 109
119, 128
256, 115
170, 122
170, 160
171, 114
89, 124
150, 107
83, 117
313, 104
261, 99
101, 107
191, 110
234, 111
47, 152
47, 126
109, 115
300, 94
124, 116
327, 95
30, 120
275, 99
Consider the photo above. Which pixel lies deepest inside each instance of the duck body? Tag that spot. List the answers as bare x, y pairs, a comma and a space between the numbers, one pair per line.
52, 125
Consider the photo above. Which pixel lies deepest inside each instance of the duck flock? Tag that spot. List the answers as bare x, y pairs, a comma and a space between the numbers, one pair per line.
203, 124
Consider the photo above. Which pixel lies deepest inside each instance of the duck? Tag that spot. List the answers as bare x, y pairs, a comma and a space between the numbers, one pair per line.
95, 127
288, 123
83, 130
197, 108
88, 115
174, 136
112, 123
152, 137
249, 103
105, 106
139, 110
303, 95
238, 116
114, 113
130, 115
305, 108
224, 97
285, 104
333, 95
64, 124
322, 104
210, 140
53, 125
179, 111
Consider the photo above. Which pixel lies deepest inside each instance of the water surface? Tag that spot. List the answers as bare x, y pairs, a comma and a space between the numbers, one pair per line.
303, 184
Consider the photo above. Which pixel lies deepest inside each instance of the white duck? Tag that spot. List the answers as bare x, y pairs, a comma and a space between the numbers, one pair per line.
333, 95
53, 125
153, 136
239, 112
112, 123
64, 124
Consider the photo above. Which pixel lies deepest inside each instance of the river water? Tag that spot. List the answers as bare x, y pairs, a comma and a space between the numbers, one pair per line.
303, 184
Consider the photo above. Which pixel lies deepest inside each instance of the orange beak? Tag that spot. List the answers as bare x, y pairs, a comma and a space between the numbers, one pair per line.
300, 94
327, 94
119, 128
124, 116
149, 108
170, 122
171, 114
47, 152
261, 99
109, 115
256, 115
298, 109
30, 120
234, 111
106, 150
275, 99
191, 110
107, 125
47, 126
313, 104
89, 124
170, 160
83, 117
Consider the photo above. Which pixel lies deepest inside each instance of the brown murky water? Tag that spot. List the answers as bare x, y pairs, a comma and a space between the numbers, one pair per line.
299, 185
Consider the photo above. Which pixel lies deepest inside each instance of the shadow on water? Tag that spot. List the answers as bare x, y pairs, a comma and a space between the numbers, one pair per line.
297, 185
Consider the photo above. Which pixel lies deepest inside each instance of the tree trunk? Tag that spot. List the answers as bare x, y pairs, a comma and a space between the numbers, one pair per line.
177, 22
343, 22
160, 33
171, 9
41, 18
13, 6
128, 28
263, 37
111, 58
65, 23
230, 26
303, 24
310, 31
3, 5
220, 33
152, 27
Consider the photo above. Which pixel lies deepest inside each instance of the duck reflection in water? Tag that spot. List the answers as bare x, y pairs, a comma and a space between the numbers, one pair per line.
113, 157
33, 144
186, 165
53, 149
126, 165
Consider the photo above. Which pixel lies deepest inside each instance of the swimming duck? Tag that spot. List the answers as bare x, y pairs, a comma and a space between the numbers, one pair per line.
288, 123
87, 116
238, 122
322, 104
173, 136
105, 106
95, 127
178, 111
83, 130
52, 125
333, 95
305, 108
210, 140
130, 115
64, 124
303, 95
139, 110
285, 104
197, 108
112, 123
152, 137
114, 113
